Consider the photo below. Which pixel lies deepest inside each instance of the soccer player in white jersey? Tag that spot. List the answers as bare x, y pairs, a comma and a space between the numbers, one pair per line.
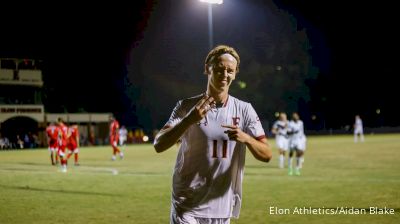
358, 129
297, 143
214, 130
280, 130
123, 134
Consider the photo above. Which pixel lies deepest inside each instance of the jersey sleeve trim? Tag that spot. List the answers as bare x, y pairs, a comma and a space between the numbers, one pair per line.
261, 137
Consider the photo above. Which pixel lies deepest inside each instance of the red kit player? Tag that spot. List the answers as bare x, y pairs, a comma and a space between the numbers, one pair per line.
73, 143
62, 143
114, 137
52, 135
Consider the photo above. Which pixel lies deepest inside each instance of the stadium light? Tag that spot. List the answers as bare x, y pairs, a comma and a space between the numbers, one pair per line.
210, 25
213, 1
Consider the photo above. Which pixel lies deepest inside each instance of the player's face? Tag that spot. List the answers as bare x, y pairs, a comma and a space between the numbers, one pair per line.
296, 117
222, 73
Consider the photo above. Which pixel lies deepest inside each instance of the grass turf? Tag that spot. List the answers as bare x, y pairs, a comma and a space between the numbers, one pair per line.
337, 173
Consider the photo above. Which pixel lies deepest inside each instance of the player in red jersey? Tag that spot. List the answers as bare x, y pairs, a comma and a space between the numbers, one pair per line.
73, 143
62, 143
52, 135
114, 137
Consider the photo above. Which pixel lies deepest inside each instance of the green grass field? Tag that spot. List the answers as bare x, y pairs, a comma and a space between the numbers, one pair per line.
336, 173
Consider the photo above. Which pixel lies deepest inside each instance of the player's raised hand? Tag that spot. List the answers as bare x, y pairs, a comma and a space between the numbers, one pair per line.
235, 133
201, 108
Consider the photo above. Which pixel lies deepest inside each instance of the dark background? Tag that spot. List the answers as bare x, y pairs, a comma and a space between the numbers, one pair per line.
136, 59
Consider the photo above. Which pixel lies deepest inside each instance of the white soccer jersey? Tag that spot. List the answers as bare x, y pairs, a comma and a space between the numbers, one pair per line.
123, 133
207, 179
281, 127
281, 138
297, 138
358, 126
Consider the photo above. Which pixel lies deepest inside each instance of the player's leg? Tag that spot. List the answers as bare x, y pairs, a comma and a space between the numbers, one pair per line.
51, 151
361, 135
114, 144
119, 151
282, 145
70, 152
290, 161
57, 155
299, 154
356, 136
61, 154
76, 156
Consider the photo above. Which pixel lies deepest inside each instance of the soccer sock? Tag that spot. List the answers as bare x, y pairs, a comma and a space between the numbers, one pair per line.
290, 162
281, 160
114, 151
298, 161
76, 157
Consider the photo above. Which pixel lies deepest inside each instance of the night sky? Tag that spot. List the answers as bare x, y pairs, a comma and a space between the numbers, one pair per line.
137, 59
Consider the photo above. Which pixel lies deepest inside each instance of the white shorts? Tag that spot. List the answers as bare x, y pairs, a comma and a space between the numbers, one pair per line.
75, 151
188, 219
358, 131
298, 143
52, 149
282, 142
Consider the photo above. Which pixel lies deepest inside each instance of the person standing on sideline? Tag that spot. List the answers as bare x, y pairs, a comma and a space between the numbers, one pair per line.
280, 130
358, 129
114, 138
214, 129
297, 143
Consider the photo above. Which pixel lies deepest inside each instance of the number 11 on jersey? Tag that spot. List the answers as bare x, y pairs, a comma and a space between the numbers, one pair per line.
224, 149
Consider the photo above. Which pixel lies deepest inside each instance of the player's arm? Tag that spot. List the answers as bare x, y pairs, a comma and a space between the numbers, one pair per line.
274, 129
168, 136
78, 139
260, 148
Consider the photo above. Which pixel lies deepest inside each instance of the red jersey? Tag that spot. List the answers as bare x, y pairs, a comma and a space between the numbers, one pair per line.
52, 132
114, 126
62, 135
73, 137
52, 135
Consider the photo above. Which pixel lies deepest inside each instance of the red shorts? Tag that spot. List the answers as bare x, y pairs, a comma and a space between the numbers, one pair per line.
53, 144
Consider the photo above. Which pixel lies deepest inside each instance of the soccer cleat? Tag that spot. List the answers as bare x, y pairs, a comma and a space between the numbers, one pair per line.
121, 155
76, 164
297, 172
290, 173
64, 169
113, 158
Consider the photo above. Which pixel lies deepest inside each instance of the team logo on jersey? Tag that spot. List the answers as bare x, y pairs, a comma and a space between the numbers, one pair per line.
235, 120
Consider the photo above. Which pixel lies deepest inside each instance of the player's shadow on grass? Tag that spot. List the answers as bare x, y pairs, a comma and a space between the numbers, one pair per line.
28, 188
34, 164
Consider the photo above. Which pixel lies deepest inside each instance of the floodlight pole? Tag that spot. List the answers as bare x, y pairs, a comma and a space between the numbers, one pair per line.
210, 27
210, 22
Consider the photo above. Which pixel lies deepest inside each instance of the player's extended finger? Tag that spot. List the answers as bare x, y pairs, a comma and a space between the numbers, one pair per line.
228, 126
201, 101
208, 101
